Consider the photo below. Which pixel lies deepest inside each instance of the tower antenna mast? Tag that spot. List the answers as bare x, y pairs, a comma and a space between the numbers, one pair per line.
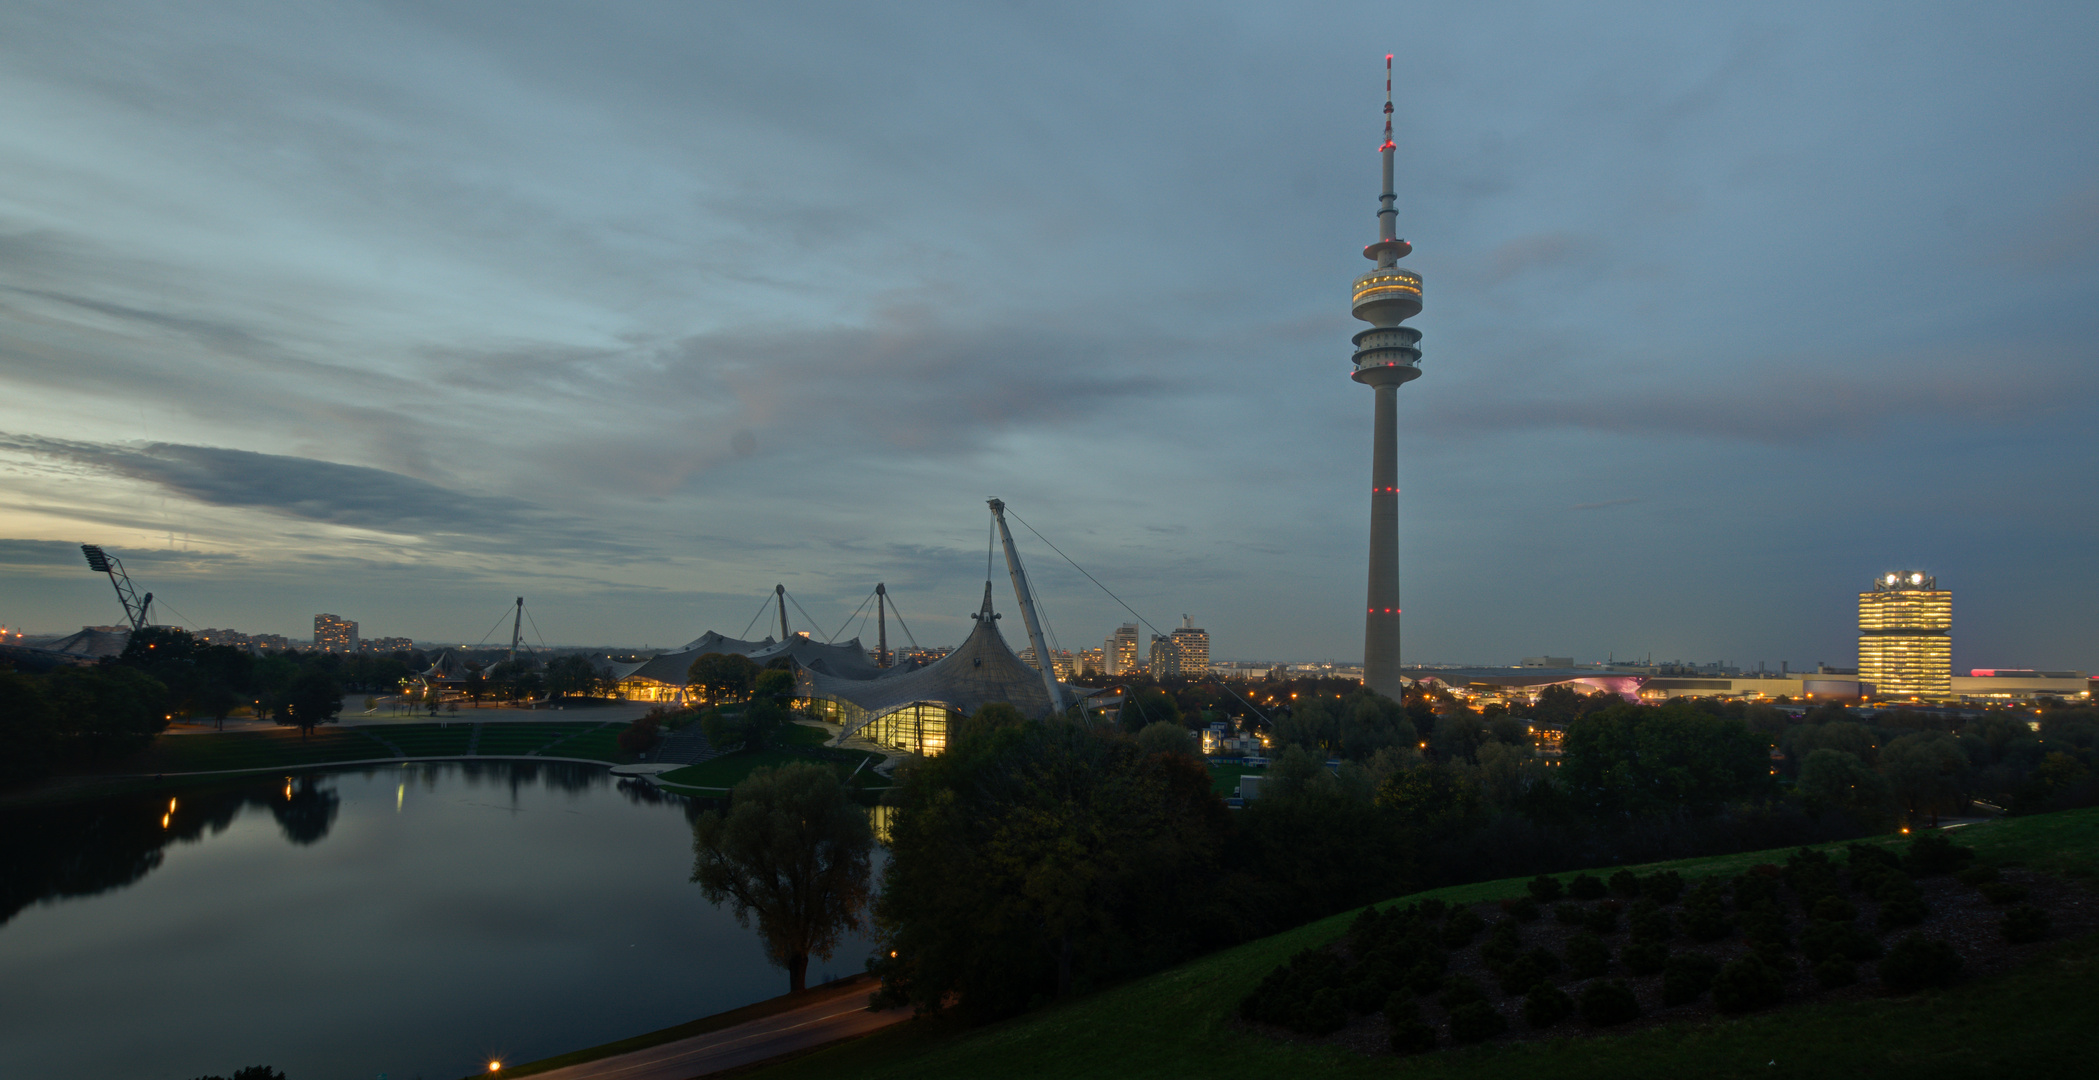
1386, 358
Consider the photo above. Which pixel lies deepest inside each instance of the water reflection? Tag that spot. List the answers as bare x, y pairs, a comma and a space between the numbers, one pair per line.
456, 907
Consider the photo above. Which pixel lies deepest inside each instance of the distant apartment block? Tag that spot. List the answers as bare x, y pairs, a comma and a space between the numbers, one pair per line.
332, 633
1165, 658
1120, 650
384, 644
1191, 645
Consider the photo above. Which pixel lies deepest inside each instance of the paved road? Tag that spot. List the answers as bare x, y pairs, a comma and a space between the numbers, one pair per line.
827, 1019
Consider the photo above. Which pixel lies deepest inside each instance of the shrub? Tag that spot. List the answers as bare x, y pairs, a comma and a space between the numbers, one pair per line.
1325, 1014
1432, 909
1644, 957
1425, 977
1413, 1037
1663, 887
1370, 983
1687, 976
1824, 940
1898, 913
1858, 855
1704, 921
1587, 956
1834, 909
2003, 892
2025, 923
1400, 1007
1934, 854
1917, 962
1545, 888
1459, 990
1288, 996
1625, 883
1763, 923
1745, 984
1649, 922
1570, 914
1522, 909
1526, 972
1603, 918
1586, 887
1836, 971
1606, 1003
1476, 1021
1977, 875
1546, 1005
1460, 928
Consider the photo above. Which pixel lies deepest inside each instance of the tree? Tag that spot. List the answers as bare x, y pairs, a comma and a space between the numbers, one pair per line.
793, 850
571, 674
1036, 857
721, 677
313, 698
1925, 770
1837, 779
1632, 759
106, 711
1164, 737
757, 723
28, 728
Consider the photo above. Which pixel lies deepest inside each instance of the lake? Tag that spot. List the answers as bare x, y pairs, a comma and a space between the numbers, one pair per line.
413, 921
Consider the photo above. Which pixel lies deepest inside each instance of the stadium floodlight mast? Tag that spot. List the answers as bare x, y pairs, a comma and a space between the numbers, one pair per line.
137, 609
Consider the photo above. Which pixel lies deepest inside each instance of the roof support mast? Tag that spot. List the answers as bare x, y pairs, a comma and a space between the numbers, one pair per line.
1027, 610
881, 626
517, 628
780, 598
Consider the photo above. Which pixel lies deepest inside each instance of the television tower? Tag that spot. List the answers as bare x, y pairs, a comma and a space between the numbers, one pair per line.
1385, 359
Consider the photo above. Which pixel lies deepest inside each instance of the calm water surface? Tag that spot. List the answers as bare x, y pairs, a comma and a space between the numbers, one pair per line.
410, 920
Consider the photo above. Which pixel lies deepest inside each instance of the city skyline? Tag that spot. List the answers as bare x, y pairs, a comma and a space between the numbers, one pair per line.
1732, 314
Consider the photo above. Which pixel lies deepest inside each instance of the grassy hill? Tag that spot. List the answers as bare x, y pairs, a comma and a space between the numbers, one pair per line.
2035, 1021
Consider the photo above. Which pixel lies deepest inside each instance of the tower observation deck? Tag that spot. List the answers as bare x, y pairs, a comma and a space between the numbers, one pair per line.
1387, 357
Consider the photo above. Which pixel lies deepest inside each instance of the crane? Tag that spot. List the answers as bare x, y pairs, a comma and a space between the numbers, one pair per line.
136, 608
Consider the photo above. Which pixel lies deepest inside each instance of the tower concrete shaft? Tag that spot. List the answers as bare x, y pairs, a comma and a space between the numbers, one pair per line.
1387, 357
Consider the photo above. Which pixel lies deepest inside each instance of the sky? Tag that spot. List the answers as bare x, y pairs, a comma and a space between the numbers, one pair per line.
399, 311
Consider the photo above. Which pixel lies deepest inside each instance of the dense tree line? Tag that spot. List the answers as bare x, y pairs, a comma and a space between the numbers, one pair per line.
86, 714
1035, 858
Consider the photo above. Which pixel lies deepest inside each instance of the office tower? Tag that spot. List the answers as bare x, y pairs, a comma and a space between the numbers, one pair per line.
1904, 647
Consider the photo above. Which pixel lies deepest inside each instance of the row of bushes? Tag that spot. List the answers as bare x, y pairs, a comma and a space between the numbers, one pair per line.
1400, 954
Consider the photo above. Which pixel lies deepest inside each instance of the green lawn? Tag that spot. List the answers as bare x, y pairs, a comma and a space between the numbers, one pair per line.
449, 739
731, 769
525, 738
1224, 778
2033, 1022
598, 744
253, 750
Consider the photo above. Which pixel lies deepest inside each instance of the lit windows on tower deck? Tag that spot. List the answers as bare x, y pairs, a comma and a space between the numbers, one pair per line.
1384, 282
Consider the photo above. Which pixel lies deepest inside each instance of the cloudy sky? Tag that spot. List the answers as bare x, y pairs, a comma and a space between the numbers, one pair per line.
400, 310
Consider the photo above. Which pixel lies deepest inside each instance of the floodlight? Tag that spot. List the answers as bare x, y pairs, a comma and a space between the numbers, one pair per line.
96, 560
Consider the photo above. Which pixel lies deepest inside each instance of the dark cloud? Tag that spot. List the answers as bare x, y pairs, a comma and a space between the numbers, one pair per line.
352, 496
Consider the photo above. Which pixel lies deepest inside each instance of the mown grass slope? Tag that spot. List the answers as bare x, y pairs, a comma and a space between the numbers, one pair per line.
2036, 1021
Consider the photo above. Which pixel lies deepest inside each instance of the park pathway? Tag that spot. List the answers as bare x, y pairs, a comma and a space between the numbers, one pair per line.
839, 1015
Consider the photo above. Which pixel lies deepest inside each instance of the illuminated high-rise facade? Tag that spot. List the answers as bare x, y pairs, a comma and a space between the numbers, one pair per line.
334, 634
1191, 643
1904, 647
1385, 359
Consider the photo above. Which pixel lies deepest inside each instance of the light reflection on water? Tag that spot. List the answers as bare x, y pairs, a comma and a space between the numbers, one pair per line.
411, 920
